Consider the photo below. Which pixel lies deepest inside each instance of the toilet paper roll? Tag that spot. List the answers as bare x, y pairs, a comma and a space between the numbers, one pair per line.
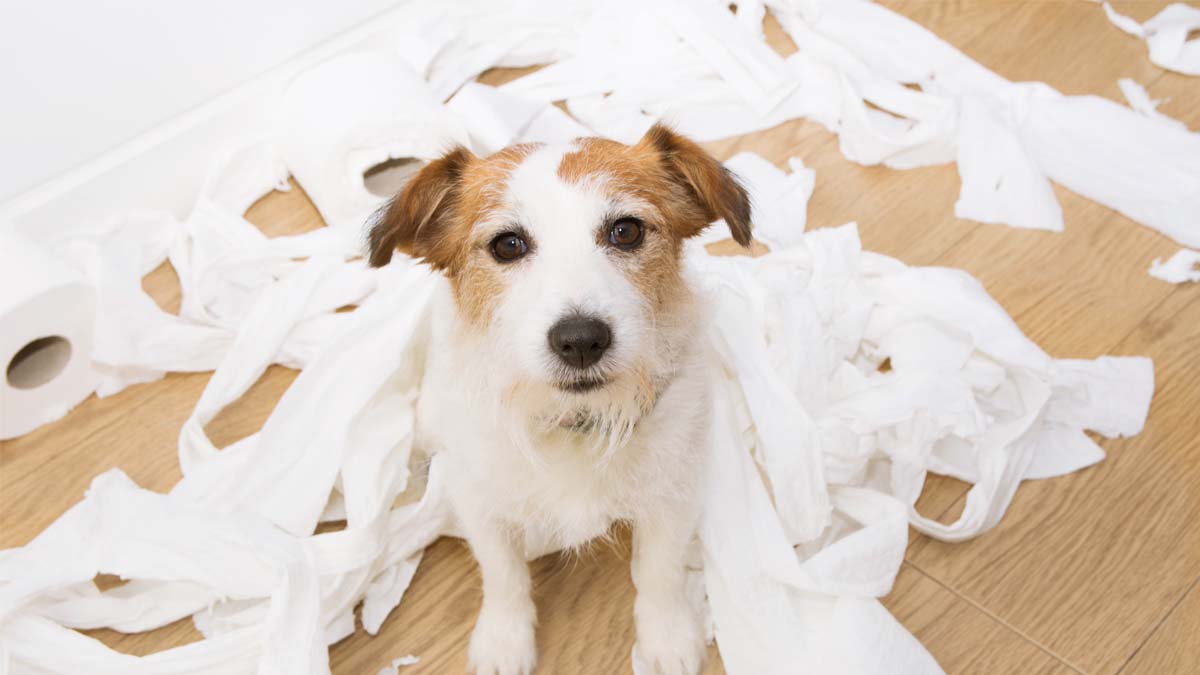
47, 310
355, 112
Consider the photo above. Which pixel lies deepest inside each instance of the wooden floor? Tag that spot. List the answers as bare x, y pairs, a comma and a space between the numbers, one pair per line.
1092, 573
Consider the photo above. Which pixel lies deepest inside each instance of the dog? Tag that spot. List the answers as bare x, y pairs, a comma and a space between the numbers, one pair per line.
565, 382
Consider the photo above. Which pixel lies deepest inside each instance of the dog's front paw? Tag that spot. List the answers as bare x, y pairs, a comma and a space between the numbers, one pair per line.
503, 644
669, 640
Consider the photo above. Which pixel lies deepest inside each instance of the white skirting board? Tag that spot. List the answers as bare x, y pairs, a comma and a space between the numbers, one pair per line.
164, 167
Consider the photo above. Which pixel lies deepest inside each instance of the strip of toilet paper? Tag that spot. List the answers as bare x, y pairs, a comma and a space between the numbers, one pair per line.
1139, 99
1181, 267
1166, 36
47, 312
1010, 140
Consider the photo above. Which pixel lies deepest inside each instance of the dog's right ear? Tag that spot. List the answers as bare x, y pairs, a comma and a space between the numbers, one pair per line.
418, 219
713, 188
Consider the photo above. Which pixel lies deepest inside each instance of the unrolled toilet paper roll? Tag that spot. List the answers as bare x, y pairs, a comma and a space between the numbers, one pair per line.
47, 311
355, 112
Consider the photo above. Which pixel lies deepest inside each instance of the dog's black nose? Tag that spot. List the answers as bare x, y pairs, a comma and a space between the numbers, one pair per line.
580, 341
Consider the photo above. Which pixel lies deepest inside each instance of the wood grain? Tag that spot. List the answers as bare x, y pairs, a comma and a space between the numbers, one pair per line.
971, 641
1175, 647
585, 609
1096, 572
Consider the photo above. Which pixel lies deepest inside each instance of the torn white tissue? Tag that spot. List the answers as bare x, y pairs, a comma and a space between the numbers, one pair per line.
696, 66
1108, 153
967, 395
1166, 36
468, 38
1140, 167
1000, 182
121, 529
223, 263
739, 56
1182, 267
1139, 99
701, 69
496, 118
397, 664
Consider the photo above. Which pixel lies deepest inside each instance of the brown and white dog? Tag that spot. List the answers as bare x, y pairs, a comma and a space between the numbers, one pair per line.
565, 384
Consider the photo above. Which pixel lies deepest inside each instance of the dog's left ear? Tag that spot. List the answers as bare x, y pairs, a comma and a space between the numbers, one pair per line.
713, 187
418, 220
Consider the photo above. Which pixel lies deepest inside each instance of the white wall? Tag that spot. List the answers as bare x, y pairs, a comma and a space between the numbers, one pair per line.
81, 77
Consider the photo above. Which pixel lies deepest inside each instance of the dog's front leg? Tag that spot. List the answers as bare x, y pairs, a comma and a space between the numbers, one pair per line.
503, 640
669, 638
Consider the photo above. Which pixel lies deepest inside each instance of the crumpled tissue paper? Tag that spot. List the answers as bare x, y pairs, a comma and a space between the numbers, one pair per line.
1181, 267
1139, 99
638, 63
1166, 36
397, 664
1010, 139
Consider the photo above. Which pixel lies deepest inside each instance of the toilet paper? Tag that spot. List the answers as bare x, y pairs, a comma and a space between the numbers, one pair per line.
352, 113
47, 310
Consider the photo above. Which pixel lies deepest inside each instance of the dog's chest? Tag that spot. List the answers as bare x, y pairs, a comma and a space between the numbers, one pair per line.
567, 499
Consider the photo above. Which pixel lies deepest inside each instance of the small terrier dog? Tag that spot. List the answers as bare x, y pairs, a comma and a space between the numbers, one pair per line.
565, 382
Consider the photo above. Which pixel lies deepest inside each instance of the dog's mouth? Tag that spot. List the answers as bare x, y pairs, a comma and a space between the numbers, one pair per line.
581, 385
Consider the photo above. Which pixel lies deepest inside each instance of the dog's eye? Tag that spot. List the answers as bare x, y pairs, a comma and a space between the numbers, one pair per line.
509, 246
626, 233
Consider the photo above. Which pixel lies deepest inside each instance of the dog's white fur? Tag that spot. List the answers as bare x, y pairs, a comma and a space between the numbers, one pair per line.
536, 467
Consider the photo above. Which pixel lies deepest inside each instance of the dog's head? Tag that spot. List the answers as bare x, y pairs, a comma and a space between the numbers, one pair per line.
565, 260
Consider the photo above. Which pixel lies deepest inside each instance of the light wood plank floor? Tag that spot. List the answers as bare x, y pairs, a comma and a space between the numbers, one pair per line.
1091, 573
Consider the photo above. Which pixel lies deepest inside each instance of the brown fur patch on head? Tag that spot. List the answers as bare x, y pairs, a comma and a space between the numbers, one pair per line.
433, 216
477, 280
686, 188
636, 173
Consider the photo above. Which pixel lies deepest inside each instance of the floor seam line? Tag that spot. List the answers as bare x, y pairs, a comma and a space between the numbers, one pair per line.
1044, 649
1158, 626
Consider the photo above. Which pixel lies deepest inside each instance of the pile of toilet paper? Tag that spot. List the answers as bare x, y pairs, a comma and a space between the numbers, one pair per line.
841, 377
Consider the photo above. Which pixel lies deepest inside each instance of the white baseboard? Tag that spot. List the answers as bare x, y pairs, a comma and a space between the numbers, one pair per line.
164, 168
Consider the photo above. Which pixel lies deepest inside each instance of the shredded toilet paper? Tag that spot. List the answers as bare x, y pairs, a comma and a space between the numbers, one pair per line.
1166, 36
645, 63
1181, 267
840, 378
397, 664
1139, 99
1011, 139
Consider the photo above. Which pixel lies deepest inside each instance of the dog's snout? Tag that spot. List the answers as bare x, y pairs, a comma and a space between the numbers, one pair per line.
580, 341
